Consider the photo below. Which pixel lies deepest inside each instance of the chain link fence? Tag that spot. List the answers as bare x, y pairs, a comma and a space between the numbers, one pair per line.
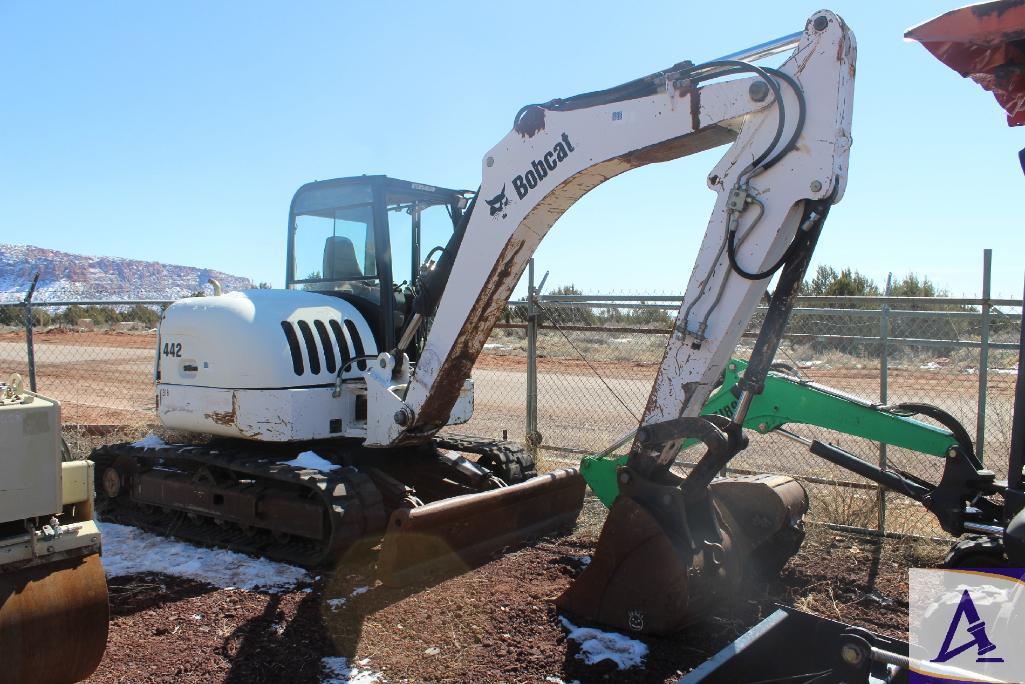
96, 358
597, 358
569, 374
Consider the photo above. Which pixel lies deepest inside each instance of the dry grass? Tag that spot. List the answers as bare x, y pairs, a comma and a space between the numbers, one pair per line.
844, 506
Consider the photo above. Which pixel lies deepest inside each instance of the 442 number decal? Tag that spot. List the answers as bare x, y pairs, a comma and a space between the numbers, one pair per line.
172, 349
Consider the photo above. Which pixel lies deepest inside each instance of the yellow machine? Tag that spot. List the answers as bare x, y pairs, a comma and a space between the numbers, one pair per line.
53, 593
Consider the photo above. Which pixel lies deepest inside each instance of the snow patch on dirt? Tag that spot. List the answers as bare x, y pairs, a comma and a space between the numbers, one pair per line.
335, 603
150, 441
308, 459
596, 646
339, 672
129, 550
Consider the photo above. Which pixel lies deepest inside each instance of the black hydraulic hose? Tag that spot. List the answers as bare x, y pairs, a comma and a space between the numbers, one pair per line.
433, 284
822, 207
631, 90
735, 67
781, 304
948, 421
731, 254
649, 85
802, 115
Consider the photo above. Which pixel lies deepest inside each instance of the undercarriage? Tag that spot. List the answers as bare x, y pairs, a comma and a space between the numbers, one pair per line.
266, 499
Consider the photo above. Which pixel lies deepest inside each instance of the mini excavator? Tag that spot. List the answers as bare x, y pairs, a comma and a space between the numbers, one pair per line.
365, 356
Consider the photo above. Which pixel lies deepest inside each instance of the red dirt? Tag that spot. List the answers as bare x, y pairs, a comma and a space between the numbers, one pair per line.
496, 623
99, 338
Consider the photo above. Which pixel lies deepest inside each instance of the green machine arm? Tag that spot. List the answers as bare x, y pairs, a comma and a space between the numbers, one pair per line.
789, 400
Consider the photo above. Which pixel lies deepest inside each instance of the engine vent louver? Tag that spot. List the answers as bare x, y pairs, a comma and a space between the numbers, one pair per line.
346, 340
293, 347
325, 343
311, 346
357, 343
343, 344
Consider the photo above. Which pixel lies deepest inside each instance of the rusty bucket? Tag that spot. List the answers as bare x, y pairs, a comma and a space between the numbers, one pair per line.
659, 566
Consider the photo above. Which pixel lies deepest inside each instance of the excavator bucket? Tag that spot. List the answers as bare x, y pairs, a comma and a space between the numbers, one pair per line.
452, 535
652, 573
53, 621
983, 42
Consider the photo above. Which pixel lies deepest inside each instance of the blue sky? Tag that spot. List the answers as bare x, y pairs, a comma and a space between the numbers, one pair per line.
179, 131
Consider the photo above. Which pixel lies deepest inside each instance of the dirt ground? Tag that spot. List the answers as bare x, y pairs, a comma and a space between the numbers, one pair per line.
496, 623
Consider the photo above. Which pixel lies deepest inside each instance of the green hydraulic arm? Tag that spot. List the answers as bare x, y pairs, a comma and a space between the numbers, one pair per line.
790, 400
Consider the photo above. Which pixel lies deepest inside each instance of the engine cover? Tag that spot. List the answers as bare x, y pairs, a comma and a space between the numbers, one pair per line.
261, 364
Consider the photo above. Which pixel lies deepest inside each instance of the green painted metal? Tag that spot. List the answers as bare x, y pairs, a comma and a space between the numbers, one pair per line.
784, 401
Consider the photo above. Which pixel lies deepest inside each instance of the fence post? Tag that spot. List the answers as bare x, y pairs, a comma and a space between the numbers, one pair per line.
30, 351
884, 390
532, 434
980, 419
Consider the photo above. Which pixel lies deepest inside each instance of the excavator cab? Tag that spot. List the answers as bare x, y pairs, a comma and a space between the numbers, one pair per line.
363, 239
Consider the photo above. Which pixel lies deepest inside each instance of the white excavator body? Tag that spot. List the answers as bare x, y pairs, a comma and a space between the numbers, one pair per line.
269, 365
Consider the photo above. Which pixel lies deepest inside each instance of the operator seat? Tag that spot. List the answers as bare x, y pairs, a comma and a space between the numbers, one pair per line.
340, 259
340, 264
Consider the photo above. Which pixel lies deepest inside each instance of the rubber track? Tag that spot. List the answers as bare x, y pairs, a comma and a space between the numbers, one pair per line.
506, 459
351, 498
357, 511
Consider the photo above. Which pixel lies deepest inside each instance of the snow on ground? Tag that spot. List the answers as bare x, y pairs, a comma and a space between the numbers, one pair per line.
359, 590
308, 459
336, 603
150, 441
129, 550
339, 672
596, 646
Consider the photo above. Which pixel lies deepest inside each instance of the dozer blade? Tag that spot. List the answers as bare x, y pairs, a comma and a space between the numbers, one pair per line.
661, 563
53, 621
453, 535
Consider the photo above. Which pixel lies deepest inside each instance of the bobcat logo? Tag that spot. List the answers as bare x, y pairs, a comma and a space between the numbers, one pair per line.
635, 619
498, 203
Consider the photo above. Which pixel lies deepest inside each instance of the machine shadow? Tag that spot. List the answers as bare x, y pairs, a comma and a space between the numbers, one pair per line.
130, 594
327, 622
